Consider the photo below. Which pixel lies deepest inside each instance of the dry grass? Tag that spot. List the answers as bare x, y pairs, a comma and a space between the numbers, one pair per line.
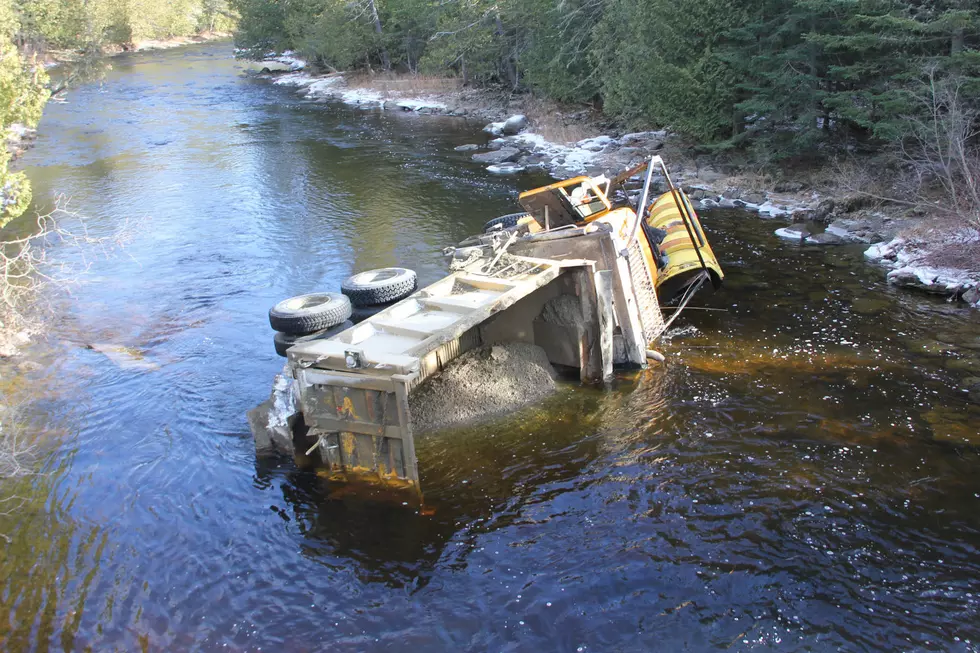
751, 181
944, 243
550, 119
392, 85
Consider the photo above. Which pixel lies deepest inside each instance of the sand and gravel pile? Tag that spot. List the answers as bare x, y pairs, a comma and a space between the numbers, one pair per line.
485, 382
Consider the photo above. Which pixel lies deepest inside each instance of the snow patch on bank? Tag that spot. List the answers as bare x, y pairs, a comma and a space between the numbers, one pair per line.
295, 79
907, 258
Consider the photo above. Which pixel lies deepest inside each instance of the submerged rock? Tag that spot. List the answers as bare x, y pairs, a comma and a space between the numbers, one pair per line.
972, 296
826, 238
467, 148
866, 306
502, 155
127, 358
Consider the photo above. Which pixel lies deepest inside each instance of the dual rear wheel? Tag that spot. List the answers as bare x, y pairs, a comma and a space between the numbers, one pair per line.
316, 316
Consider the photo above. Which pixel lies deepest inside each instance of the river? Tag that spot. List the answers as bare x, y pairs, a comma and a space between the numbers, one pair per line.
800, 476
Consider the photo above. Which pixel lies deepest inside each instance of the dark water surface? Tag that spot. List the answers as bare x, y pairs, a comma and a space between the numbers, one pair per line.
799, 477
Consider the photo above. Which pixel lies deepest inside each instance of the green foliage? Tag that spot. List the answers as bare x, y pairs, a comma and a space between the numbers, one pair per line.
23, 92
94, 24
660, 63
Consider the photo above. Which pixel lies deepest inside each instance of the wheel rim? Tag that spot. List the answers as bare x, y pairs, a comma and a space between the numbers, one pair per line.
376, 276
300, 303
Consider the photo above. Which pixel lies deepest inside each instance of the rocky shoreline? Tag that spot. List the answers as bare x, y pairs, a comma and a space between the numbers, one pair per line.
816, 217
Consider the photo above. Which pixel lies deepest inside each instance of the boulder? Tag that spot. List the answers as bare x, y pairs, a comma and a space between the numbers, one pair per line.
788, 187
467, 148
495, 128
884, 252
971, 296
755, 197
502, 155
533, 160
925, 278
855, 231
795, 232
823, 210
514, 125
597, 144
825, 238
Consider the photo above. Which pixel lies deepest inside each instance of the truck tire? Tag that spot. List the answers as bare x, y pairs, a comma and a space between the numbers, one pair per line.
504, 221
305, 314
284, 341
382, 286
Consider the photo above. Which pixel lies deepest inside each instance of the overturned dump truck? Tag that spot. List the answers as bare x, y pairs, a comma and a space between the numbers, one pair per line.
346, 396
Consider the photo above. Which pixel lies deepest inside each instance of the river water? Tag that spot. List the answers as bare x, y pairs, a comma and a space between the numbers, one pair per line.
800, 476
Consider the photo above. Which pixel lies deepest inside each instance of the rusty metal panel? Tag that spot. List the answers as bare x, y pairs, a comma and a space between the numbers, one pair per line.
363, 433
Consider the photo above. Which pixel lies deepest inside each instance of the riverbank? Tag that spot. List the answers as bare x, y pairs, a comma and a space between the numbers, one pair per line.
51, 58
525, 134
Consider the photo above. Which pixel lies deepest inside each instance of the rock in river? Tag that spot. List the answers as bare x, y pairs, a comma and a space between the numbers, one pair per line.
502, 155
505, 168
793, 232
514, 125
826, 238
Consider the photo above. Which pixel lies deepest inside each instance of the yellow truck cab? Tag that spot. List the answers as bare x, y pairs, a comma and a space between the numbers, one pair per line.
673, 242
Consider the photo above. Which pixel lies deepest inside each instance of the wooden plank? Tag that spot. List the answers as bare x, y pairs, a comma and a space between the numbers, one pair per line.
607, 320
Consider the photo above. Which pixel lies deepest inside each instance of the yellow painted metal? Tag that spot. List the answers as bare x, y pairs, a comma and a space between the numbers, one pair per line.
684, 255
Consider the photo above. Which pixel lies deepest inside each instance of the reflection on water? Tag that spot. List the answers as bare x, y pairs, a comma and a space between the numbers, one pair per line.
799, 475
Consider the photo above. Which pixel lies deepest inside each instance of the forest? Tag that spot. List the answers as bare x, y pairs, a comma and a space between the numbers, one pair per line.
784, 77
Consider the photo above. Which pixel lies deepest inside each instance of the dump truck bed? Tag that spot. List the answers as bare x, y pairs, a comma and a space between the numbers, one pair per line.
354, 387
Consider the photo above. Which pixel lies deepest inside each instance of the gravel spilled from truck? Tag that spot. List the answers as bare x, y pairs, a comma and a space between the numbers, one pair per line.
486, 382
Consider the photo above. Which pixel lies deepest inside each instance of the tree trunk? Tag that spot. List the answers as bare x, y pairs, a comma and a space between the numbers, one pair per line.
506, 62
385, 60
738, 121
958, 42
